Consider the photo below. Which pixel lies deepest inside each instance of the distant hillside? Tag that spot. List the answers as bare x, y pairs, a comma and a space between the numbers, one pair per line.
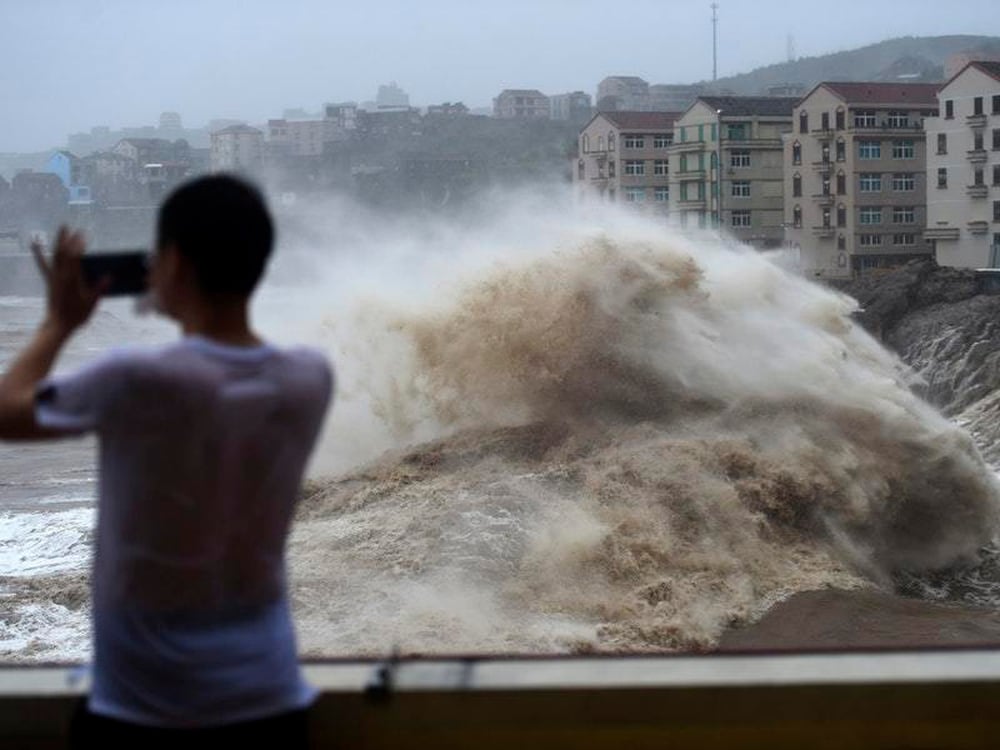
916, 58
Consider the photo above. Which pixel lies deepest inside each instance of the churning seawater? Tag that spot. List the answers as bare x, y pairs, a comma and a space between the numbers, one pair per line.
568, 429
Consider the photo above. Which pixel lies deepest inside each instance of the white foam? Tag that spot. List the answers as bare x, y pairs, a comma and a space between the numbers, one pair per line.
44, 543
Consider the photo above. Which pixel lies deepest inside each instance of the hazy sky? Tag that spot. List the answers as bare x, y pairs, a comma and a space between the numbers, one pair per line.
71, 64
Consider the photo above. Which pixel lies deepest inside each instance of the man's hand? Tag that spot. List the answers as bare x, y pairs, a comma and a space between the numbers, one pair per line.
70, 300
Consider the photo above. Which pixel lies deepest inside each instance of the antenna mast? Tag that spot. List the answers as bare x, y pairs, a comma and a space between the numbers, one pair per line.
715, 42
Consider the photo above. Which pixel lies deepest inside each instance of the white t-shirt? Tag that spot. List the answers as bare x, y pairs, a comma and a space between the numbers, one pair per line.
202, 452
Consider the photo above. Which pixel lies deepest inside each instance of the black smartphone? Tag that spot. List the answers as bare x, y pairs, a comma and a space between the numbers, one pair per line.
128, 271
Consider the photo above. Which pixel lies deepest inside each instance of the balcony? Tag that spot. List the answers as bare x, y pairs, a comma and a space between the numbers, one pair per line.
824, 231
678, 147
978, 227
693, 175
977, 156
823, 199
977, 191
941, 233
822, 166
691, 204
976, 121
914, 128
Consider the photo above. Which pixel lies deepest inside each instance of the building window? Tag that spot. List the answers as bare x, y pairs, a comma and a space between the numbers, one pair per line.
740, 218
977, 141
738, 131
903, 215
701, 161
684, 191
635, 195
898, 120
996, 139
942, 177
977, 176
839, 119
611, 168
684, 135
841, 215
870, 240
826, 186
797, 216
713, 133
841, 183
977, 105
949, 110
701, 134
661, 167
635, 168
611, 141
841, 149
739, 159
581, 169
701, 190
600, 143
841, 245
864, 118
869, 149
634, 141
740, 189
586, 144
996, 210
797, 186
906, 239
996, 174
942, 143
870, 215
825, 121
825, 153
684, 163
903, 150
826, 218
870, 182
803, 122
663, 141
796, 153
904, 182
661, 194
996, 104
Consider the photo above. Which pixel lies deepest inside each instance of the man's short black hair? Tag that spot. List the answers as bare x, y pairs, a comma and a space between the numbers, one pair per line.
222, 225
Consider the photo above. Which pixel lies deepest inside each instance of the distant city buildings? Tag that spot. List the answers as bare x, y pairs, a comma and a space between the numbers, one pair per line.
574, 106
391, 96
237, 148
624, 156
963, 169
623, 93
521, 104
856, 176
302, 137
726, 166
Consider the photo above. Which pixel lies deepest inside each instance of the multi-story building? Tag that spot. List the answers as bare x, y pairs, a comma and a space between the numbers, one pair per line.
343, 114
521, 104
302, 137
71, 171
623, 156
623, 94
855, 176
963, 169
238, 148
574, 107
743, 134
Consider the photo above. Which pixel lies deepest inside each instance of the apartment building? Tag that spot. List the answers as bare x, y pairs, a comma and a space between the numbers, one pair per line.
521, 104
855, 176
574, 106
745, 196
623, 94
238, 148
963, 168
624, 156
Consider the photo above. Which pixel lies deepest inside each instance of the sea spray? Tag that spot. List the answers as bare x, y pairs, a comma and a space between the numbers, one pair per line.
637, 439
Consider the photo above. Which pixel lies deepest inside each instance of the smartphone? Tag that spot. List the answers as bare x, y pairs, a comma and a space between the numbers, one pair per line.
128, 271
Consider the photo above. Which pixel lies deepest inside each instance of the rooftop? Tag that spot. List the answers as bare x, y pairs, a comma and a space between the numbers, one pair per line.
767, 106
626, 120
870, 92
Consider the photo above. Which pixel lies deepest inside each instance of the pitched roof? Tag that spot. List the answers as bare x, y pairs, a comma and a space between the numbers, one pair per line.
522, 92
627, 120
870, 92
989, 67
766, 106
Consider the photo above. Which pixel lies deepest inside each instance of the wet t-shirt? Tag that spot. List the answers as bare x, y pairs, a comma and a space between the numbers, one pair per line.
202, 452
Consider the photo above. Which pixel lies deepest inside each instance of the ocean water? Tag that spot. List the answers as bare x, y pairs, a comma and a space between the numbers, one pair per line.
557, 429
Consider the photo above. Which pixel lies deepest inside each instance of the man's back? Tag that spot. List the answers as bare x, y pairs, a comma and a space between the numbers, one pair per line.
203, 447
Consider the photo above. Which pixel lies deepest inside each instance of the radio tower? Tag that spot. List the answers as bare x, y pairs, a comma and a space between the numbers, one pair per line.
715, 42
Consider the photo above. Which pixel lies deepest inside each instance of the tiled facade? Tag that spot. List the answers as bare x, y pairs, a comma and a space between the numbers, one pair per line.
963, 169
855, 176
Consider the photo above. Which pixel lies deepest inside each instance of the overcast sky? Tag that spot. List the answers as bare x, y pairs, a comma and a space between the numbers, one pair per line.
70, 64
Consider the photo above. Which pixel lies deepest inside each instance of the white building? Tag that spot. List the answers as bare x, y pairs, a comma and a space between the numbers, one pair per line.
963, 169
238, 148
